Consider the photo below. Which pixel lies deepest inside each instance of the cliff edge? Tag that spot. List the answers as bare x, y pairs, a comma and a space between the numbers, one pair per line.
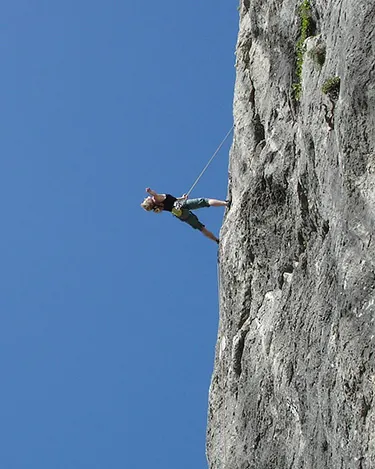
294, 377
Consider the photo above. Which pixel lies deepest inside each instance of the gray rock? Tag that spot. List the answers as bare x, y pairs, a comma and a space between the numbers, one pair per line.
294, 378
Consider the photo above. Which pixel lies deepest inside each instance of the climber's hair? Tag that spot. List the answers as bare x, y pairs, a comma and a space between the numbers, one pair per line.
149, 205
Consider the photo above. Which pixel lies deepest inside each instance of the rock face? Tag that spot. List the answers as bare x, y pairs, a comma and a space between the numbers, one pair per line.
294, 378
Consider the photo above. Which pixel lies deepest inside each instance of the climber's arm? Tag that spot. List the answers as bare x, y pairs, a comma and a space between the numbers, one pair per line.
157, 197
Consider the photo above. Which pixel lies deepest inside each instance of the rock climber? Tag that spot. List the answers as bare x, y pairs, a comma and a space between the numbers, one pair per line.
181, 208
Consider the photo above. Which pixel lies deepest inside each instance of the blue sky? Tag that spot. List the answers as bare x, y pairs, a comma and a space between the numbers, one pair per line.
109, 314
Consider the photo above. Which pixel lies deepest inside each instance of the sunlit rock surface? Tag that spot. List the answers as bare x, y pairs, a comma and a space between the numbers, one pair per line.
294, 378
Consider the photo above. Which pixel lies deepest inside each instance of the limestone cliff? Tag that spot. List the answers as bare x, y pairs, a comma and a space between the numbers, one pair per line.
294, 378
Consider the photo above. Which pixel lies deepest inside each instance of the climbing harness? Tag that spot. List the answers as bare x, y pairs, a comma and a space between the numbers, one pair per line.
210, 160
177, 210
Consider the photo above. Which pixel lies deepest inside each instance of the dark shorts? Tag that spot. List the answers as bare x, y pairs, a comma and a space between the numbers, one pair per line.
188, 217
191, 219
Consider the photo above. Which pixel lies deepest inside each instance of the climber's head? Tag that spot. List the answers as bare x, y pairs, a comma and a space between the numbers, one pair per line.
148, 204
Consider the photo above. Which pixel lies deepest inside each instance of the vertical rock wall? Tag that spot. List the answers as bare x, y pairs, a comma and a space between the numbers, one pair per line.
294, 378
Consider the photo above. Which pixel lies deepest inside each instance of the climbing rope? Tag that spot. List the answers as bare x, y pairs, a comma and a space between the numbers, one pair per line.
210, 160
